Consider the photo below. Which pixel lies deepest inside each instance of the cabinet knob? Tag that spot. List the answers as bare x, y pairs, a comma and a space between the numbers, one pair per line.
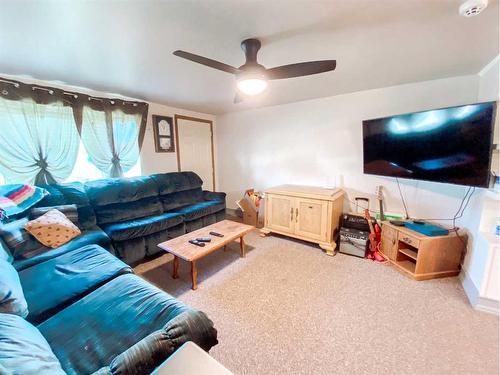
296, 215
291, 214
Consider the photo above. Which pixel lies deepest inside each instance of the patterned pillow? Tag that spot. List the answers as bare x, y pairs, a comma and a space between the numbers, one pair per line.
19, 242
69, 210
52, 229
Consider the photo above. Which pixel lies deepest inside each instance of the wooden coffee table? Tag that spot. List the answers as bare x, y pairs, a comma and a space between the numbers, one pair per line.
179, 247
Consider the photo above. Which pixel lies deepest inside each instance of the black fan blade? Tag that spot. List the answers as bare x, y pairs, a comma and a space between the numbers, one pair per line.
238, 98
207, 62
301, 69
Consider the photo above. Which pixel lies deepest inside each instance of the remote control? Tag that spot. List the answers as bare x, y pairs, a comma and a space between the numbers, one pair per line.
204, 239
398, 223
197, 243
216, 234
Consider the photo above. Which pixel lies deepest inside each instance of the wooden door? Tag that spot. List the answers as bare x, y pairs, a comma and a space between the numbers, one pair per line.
311, 218
195, 149
280, 213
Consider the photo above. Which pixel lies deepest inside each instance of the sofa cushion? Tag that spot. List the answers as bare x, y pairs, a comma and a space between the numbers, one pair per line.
95, 235
12, 299
108, 321
176, 181
149, 353
181, 198
117, 212
197, 210
20, 242
151, 241
54, 198
23, 349
131, 251
56, 283
142, 227
70, 193
69, 210
5, 253
120, 190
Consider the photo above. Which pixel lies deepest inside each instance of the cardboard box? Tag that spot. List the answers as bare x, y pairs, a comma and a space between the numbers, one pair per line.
252, 206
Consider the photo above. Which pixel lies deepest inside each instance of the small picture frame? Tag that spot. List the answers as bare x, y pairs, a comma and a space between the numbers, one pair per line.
163, 130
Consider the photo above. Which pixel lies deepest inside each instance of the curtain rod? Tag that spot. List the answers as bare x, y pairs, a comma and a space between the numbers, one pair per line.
73, 94
9, 82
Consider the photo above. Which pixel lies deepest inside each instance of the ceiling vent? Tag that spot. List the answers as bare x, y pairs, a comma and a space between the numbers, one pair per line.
471, 8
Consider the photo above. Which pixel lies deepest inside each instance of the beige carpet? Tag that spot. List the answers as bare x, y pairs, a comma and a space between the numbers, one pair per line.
287, 308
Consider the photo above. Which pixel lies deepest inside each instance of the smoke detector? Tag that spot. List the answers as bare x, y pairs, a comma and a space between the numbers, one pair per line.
471, 8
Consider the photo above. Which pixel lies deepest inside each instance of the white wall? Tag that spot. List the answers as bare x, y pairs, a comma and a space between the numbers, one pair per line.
319, 142
489, 80
151, 162
484, 210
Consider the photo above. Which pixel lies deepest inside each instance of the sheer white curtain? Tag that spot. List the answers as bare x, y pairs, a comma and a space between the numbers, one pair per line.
38, 142
111, 140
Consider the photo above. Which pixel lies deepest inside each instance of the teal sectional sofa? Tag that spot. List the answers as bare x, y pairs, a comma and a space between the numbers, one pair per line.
79, 309
136, 214
85, 312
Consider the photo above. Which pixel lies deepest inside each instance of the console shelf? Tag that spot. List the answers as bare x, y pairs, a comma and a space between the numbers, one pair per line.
409, 253
419, 256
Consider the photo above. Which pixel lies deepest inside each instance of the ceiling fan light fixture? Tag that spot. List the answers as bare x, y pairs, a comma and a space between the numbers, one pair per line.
252, 86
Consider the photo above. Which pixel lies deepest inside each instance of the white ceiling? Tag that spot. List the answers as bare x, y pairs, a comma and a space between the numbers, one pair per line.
126, 46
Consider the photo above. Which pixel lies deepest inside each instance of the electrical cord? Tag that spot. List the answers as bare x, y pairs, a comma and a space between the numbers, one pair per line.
402, 199
461, 209
459, 214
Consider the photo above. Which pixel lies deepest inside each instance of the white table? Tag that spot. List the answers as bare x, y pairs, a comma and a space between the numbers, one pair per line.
190, 359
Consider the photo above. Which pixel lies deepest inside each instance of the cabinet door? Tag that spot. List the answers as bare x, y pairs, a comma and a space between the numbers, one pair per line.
279, 213
311, 218
389, 245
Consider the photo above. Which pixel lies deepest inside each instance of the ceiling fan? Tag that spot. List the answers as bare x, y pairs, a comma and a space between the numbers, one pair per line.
252, 77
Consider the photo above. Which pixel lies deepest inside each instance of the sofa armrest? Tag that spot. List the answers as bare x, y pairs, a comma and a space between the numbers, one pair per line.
214, 196
154, 349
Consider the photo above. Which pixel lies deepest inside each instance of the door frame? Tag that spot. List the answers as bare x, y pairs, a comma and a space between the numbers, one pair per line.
195, 119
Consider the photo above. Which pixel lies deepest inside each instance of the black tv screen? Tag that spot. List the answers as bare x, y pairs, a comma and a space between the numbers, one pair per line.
452, 145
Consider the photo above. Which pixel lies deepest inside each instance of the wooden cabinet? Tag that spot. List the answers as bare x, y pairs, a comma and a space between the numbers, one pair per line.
422, 257
280, 213
305, 212
389, 245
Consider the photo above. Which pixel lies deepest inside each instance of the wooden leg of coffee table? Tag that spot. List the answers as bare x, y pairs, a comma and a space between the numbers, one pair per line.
194, 276
225, 247
175, 268
242, 247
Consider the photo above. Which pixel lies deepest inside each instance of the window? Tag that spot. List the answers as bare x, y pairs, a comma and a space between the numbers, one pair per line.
86, 171
40, 143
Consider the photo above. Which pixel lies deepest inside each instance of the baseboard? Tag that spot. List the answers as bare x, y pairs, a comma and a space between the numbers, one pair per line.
478, 303
231, 212
488, 305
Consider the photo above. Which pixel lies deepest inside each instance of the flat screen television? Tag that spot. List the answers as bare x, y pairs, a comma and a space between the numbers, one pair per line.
451, 145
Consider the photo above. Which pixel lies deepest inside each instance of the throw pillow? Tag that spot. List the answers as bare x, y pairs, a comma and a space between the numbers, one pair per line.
52, 229
17, 198
12, 299
69, 210
20, 243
